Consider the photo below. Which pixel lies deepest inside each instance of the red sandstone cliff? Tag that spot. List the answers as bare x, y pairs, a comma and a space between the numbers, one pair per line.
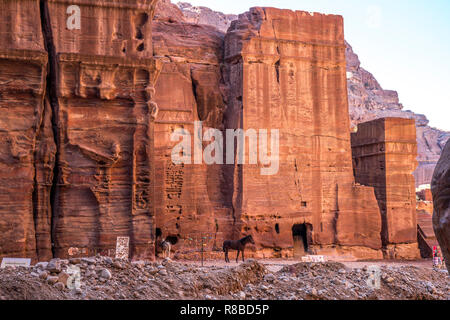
89, 114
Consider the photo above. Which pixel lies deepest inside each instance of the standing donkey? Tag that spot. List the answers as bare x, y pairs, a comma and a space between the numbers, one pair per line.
238, 245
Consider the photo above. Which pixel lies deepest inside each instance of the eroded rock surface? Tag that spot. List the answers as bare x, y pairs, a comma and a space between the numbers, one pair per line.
27, 148
440, 188
88, 158
103, 103
188, 197
204, 15
286, 71
384, 154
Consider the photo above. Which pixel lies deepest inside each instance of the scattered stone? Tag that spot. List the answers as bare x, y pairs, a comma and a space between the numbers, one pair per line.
54, 266
105, 274
43, 275
162, 272
75, 260
41, 265
117, 265
59, 286
63, 278
52, 279
88, 260
269, 277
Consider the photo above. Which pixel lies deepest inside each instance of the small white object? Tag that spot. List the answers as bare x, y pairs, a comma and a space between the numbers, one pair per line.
122, 248
315, 259
15, 262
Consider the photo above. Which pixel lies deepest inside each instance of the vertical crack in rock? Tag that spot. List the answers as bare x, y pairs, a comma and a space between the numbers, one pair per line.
51, 93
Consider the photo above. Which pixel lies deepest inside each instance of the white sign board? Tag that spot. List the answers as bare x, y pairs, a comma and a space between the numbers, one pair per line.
15, 262
122, 248
313, 259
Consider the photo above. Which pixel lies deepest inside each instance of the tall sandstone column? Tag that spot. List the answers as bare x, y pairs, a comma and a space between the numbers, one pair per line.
385, 152
189, 198
286, 70
102, 97
27, 147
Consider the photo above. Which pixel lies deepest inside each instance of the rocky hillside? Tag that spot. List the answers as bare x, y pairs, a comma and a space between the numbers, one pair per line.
203, 15
367, 99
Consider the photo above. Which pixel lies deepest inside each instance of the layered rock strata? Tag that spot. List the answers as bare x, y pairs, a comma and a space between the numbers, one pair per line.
89, 130
384, 154
102, 96
286, 71
27, 152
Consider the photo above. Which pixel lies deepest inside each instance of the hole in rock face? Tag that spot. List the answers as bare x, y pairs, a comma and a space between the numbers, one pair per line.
141, 47
300, 237
172, 239
158, 233
141, 19
277, 228
139, 34
304, 204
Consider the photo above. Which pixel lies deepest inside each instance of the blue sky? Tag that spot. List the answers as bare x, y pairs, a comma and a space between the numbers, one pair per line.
405, 44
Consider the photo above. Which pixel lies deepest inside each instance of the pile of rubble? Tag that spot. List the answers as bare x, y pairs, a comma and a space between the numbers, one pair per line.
106, 278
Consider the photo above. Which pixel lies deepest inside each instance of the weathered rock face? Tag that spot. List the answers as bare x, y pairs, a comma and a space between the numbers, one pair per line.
27, 146
440, 188
167, 11
92, 180
206, 16
88, 133
286, 70
384, 153
102, 99
188, 197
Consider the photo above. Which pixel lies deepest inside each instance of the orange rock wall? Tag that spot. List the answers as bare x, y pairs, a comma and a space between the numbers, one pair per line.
286, 71
189, 202
26, 149
88, 116
384, 153
104, 86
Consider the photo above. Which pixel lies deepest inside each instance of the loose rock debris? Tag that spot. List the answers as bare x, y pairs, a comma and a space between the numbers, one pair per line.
103, 278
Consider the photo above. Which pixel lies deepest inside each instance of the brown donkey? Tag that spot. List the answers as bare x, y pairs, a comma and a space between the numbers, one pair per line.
238, 245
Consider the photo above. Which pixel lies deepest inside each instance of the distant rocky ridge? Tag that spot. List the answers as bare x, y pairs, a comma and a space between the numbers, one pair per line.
367, 99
